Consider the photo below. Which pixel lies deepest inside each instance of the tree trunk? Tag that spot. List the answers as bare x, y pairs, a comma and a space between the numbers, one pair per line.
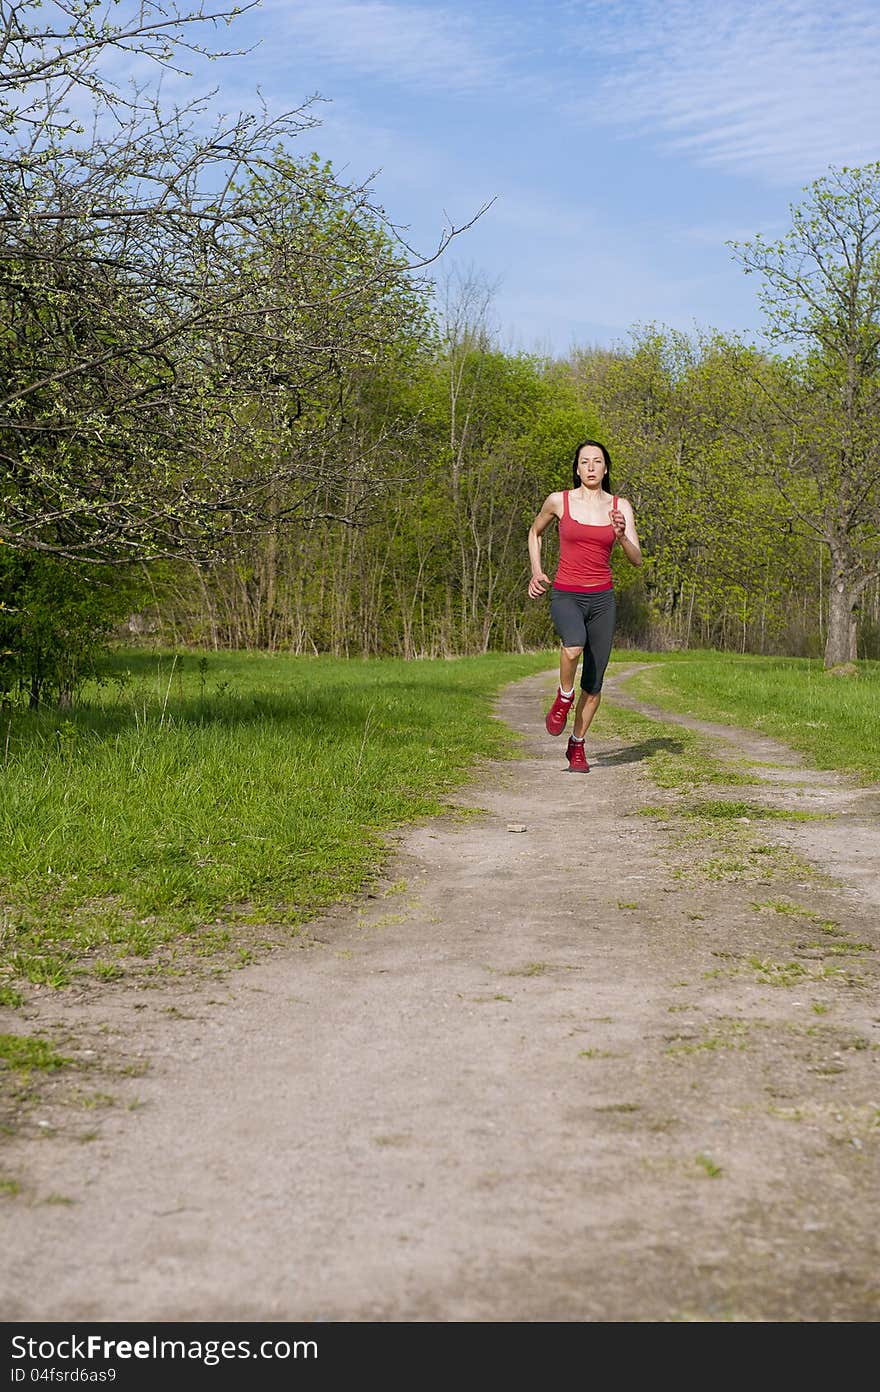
840, 642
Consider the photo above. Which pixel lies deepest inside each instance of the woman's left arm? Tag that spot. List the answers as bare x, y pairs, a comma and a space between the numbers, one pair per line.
624, 523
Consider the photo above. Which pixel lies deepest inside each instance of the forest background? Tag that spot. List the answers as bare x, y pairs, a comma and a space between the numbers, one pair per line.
239, 411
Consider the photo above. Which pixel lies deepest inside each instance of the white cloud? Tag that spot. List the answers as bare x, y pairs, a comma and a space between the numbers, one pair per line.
782, 89
413, 45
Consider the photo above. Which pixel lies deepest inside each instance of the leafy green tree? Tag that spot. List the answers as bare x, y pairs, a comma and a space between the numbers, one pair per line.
55, 619
821, 440
676, 412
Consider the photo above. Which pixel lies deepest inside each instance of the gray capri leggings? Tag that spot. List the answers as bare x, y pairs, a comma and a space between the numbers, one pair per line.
586, 621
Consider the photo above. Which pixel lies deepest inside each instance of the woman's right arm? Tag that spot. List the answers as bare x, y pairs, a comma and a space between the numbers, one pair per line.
552, 507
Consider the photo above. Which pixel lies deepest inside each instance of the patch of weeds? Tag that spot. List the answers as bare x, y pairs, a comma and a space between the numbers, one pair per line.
622, 1107
713, 1042
107, 971
464, 815
595, 1053
42, 969
728, 1034
399, 887
689, 767
772, 973
786, 1113
673, 1008
696, 918
58, 1199
24, 1052
783, 906
676, 758
723, 868
651, 811
92, 1099
819, 1009
531, 969
724, 810
10, 997
387, 920
840, 949
213, 940
708, 1164
9, 1188
856, 1043
627, 904
739, 856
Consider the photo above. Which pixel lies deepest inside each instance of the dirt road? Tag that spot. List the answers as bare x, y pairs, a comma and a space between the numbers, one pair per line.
569, 1072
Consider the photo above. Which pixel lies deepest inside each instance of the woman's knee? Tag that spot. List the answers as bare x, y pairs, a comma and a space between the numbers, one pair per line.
571, 652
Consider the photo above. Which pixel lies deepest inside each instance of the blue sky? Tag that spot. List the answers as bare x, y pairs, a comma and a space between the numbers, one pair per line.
624, 141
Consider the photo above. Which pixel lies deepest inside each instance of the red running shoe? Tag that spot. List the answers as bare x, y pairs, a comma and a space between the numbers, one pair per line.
557, 715
577, 759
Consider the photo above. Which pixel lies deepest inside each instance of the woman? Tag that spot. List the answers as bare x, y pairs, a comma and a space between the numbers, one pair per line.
591, 520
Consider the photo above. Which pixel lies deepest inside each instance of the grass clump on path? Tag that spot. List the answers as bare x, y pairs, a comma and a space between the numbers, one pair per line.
832, 719
191, 791
24, 1052
716, 840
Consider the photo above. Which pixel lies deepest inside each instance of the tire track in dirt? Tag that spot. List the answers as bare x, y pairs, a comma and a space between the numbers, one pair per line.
537, 1076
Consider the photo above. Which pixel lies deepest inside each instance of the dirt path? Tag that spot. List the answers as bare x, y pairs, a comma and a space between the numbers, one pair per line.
554, 1074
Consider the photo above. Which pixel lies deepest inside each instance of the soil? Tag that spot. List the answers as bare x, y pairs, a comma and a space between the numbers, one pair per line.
558, 1066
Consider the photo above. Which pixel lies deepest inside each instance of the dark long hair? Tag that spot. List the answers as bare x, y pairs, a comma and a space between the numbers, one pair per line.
606, 482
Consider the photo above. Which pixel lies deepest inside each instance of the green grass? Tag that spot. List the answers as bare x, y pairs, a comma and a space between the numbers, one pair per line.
831, 719
719, 844
189, 792
707, 1164
23, 1052
720, 810
677, 759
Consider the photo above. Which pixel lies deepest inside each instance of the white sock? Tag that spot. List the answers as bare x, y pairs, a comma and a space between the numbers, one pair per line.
578, 739
566, 694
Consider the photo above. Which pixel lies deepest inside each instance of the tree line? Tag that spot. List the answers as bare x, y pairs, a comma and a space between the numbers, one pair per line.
233, 403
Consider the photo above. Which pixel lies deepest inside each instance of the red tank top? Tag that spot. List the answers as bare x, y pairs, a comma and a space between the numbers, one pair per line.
584, 553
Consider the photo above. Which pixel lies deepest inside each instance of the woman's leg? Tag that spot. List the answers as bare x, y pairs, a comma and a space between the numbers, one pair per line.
600, 636
570, 625
588, 704
568, 665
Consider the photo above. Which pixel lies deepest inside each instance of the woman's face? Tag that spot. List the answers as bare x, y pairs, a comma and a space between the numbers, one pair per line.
591, 465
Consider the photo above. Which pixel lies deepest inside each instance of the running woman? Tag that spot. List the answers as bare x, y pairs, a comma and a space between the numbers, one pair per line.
591, 519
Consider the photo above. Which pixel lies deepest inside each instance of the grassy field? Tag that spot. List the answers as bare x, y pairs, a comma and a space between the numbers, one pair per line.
189, 797
189, 794
834, 720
